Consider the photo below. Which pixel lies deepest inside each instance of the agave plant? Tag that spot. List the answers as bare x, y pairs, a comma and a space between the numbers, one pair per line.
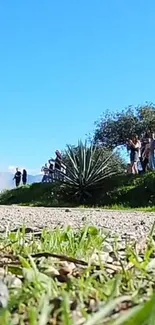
86, 168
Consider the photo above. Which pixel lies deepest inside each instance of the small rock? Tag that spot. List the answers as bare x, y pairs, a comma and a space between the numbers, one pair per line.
128, 236
12, 281
4, 295
93, 306
151, 266
2, 272
66, 268
106, 258
107, 248
67, 210
51, 271
122, 255
16, 283
140, 259
101, 258
121, 246
117, 263
110, 240
105, 230
110, 271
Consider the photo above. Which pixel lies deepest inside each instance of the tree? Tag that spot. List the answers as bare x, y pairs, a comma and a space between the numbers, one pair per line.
116, 162
114, 129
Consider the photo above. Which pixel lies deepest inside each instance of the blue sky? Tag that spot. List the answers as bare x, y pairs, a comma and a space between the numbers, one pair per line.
62, 64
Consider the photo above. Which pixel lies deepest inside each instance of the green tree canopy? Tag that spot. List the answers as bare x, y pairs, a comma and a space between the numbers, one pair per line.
114, 129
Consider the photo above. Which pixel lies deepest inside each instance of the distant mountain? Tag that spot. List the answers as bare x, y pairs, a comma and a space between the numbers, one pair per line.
34, 178
6, 180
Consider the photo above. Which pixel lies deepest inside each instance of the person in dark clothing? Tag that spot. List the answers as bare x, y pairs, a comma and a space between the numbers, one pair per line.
145, 154
17, 177
58, 160
45, 175
134, 146
51, 165
24, 177
57, 172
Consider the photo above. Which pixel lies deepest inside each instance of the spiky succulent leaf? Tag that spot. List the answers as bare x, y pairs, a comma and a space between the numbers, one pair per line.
86, 167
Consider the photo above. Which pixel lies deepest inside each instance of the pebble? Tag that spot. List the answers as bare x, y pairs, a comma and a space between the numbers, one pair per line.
2, 272
151, 266
120, 222
101, 257
51, 271
12, 281
4, 295
107, 248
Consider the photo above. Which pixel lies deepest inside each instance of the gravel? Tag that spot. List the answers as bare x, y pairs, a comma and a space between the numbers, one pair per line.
133, 223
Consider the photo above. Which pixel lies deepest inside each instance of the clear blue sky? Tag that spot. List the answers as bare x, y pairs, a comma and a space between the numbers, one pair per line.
62, 63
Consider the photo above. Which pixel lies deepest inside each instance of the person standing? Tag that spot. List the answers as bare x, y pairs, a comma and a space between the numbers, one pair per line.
17, 177
58, 160
51, 169
45, 170
146, 155
152, 152
24, 177
134, 146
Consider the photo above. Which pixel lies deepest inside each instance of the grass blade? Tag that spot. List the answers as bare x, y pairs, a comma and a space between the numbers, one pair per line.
106, 310
140, 315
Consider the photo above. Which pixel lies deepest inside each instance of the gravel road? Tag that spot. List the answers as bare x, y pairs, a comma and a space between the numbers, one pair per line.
137, 224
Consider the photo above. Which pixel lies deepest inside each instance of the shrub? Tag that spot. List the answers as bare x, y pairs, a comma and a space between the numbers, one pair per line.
87, 169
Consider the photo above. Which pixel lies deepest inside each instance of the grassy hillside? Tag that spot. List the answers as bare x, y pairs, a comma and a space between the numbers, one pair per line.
125, 190
38, 194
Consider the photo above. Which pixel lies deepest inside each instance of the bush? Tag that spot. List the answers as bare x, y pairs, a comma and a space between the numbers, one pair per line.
87, 167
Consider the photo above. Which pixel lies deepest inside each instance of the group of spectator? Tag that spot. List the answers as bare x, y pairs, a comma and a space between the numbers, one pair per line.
142, 153
54, 169
18, 177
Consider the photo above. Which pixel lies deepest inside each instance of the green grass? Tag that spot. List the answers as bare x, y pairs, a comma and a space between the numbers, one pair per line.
39, 194
118, 192
120, 207
117, 207
65, 280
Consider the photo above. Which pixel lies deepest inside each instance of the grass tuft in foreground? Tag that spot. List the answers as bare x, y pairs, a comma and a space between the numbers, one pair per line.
76, 277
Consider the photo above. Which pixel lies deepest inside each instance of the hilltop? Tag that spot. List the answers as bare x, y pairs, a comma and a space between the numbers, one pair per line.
6, 180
